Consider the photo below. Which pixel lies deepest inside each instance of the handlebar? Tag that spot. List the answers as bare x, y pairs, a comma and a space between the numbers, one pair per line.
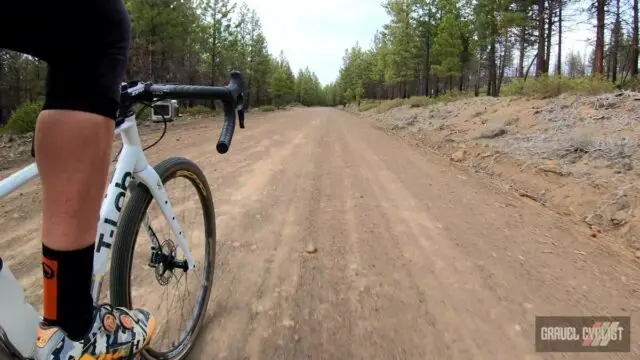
232, 96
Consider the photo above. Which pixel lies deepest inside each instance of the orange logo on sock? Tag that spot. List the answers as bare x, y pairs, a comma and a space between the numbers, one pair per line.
50, 287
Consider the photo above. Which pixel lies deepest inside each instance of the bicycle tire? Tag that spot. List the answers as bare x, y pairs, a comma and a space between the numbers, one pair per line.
125, 241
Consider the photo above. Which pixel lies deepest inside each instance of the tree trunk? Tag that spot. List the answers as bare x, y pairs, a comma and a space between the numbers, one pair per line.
559, 64
151, 46
214, 69
540, 63
476, 84
634, 40
598, 66
529, 67
547, 58
492, 69
214, 44
427, 70
523, 39
607, 59
615, 44
503, 64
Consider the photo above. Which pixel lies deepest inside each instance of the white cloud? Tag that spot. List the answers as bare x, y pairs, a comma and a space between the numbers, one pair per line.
316, 33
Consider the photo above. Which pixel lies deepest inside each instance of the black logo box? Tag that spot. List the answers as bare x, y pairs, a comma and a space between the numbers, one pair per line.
578, 323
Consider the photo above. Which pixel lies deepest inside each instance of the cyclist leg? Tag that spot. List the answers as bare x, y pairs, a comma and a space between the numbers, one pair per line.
85, 44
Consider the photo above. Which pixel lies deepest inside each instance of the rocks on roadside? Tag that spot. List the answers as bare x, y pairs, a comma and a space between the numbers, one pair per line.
624, 164
614, 213
478, 113
311, 249
458, 156
405, 121
493, 133
511, 121
606, 102
15, 146
619, 217
552, 167
595, 219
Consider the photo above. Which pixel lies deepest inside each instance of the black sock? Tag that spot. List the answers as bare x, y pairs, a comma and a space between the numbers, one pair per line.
67, 300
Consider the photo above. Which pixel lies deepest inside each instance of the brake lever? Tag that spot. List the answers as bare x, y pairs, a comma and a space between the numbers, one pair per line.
240, 110
241, 118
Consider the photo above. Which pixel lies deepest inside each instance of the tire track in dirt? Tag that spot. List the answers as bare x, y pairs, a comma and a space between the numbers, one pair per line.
389, 302
272, 321
259, 228
320, 322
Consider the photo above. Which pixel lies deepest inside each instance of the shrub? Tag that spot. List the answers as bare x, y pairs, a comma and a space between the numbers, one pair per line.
515, 87
390, 104
142, 112
23, 120
365, 106
267, 108
197, 110
590, 85
418, 101
455, 96
631, 83
414, 101
546, 87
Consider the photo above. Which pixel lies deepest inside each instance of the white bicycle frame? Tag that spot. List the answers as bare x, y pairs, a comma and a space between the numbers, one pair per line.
131, 165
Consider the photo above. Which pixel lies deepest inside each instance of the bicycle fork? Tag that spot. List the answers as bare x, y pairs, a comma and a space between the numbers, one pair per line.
150, 177
113, 204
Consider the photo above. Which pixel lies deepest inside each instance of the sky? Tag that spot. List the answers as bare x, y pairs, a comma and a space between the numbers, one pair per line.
316, 33
578, 34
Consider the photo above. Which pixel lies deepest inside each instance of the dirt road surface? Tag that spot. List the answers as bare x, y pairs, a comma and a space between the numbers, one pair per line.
416, 259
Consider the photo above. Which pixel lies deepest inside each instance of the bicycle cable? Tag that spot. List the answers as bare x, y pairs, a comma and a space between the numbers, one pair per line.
164, 130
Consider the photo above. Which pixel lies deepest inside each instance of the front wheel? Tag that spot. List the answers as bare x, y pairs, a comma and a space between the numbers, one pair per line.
143, 266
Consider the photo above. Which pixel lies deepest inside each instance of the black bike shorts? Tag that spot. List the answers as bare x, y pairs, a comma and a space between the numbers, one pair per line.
84, 43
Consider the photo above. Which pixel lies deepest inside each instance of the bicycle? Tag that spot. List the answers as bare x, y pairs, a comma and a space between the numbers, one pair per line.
118, 227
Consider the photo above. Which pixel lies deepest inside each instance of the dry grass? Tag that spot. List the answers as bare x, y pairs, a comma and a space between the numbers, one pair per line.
382, 106
550, 86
